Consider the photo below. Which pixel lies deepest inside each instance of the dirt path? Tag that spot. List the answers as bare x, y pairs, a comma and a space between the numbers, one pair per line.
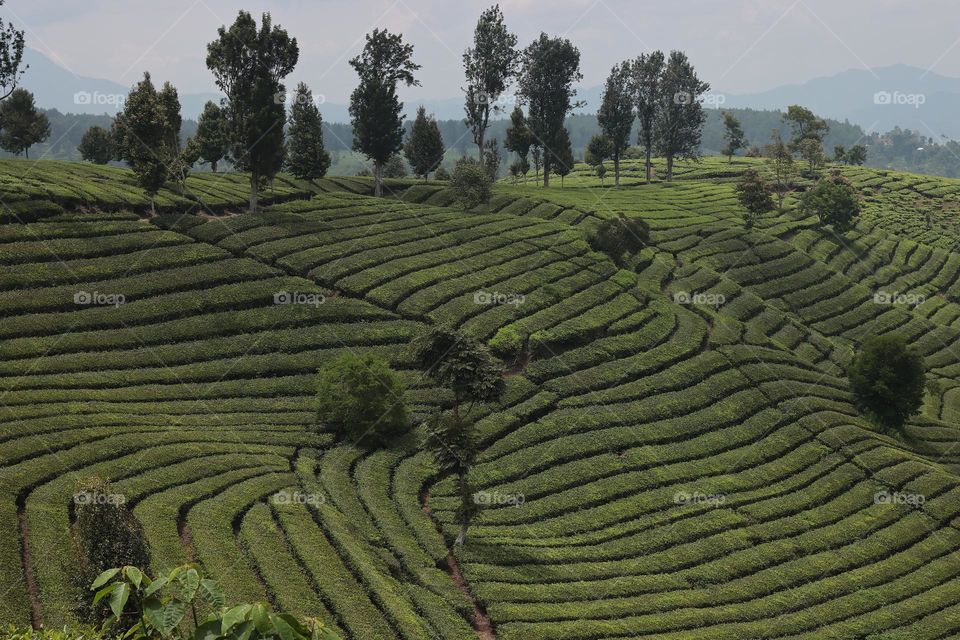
32, 591
480, 620
186, 539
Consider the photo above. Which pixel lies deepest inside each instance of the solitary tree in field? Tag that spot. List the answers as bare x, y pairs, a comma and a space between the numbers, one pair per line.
780, 161
811, 150
519, 139
598, 149
96, 145
376, 112
615, 115
249, 65
490, 65
563, 155
550, 67
680, 117
733, 134
754, 195
834, 201
21, 124
11, 57
805, 125
647, 92
620, 238
470, 183
213, 134
307, 158
469, 370
424, 148
141, 135
888, 379
839, 153
857, 155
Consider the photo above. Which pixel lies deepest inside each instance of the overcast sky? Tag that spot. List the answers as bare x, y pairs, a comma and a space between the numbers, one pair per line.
737, 45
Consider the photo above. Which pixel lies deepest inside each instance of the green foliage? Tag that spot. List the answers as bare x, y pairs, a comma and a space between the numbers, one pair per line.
97, 145
888, 379
424, 148
470, 183
519, 138
395, 167
21, 124
857, 155
811, 150
780, 162
167, 608
834, 201
598, 149
680, 116
615, 116
213, 134
441, 174
361, 398
648, 95
563, 155
805, 125
66, 633
375, 109
307, 158
733, 134
507, 342
249, 65
11, 57
754, 195
620, 238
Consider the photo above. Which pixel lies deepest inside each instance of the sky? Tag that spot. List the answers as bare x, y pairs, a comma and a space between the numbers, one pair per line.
739, 46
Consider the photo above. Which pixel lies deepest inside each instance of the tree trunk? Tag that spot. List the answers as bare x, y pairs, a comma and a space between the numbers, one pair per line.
26, 153
465, 509
254, 191
670, 168
616, 171
546, 171
213, 166
649, 165
377, 179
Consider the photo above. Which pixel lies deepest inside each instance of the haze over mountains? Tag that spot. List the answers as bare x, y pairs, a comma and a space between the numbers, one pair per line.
876, 99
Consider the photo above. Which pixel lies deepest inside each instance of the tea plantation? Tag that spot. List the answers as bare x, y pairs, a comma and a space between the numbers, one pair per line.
678, 455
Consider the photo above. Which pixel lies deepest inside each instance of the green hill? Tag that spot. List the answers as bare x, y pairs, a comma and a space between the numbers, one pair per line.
678, 458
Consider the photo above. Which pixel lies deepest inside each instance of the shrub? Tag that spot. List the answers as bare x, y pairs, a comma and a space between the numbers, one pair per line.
754, 195
441, 174
471, 184
620, 238
834, 201
361, 398
507, 342
80, 633
887, 379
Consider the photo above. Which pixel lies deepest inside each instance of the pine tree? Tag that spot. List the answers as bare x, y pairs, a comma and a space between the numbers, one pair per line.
307, 158
213, 136
424, 148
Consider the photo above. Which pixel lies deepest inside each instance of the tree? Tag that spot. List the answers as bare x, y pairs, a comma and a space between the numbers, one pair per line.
598, 149
96, 145
11, 57
733, 134
213, 135
754, 195
550, 67
888, 379
857, 155
424, 148
620, 238
489, 66
563, 154
307, 158
491, 159
834, 201
647, 91
680, 118
805, 125
395, 167
780, 161
470, 183
811, 150
615, 115
468, 369
839, 153
106, 534
375, 110
141, 137
170, 151
361, 398
21, 124
249, 65
519, 138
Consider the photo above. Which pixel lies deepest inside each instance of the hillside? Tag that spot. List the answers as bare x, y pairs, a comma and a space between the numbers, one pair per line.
659, 468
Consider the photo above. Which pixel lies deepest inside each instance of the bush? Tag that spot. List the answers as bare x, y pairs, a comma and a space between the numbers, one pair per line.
620, 238
361, 398
507, 342
834, 201
441, 174
470, 183
887, 379
754, 195
81, 633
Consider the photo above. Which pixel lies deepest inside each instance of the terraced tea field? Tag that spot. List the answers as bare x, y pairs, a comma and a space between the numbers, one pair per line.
677, 455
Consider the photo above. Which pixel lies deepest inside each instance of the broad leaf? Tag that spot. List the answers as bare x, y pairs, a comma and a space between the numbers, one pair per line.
261, 618
103, 593
190, 582
235, 616
172, 616
135, 575
284, 630
210, 591
155, 586
103, 578
209, 630
118, 599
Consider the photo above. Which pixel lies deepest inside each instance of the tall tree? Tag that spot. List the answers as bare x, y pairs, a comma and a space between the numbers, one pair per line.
375, 110
424, 148
307, 158
805, 125
680, 117
249, 65
21, 124
616, 116
753, 193
550, 68
857, 154
733, 134
489, 65
519, 139
780, 161
11, 57
647, 89
563, 155
170, 150
141, 137
96, 146
213, 135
